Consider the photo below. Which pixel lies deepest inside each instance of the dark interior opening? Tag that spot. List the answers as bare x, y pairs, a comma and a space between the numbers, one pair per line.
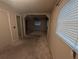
35, 23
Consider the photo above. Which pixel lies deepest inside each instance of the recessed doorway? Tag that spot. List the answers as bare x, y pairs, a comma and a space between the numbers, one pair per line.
36, 23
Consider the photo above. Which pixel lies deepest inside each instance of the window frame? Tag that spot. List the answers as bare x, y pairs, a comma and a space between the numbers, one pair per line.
70, 43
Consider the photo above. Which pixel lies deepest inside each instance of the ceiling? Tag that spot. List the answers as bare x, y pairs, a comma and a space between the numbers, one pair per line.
31, 6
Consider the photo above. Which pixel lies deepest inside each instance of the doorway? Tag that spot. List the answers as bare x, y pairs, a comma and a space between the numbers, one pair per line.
36, 24
18, 19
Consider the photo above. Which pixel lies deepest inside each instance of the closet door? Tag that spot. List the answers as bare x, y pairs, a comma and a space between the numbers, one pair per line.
5, 31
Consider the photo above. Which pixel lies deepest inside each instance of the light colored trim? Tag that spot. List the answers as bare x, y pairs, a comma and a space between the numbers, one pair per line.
24, 27
21, 27
35, 14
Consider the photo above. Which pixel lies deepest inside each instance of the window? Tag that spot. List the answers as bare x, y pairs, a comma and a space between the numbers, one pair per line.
67, 25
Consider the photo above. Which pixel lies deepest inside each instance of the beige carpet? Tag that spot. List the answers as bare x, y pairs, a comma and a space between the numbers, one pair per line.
28, 49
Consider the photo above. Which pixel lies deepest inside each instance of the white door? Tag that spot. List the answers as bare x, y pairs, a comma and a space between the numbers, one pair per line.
5, 33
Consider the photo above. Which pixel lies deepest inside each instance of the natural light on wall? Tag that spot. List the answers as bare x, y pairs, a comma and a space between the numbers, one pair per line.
67, 25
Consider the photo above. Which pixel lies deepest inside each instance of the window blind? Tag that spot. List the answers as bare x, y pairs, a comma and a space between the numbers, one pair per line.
67, 24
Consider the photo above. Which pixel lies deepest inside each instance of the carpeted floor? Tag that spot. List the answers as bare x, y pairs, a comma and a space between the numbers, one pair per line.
28, 49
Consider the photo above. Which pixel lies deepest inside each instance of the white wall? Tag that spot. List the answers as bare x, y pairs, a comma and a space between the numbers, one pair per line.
59, 49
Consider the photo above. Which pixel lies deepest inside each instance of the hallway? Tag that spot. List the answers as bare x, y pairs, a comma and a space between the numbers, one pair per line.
28, 49
38, 29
